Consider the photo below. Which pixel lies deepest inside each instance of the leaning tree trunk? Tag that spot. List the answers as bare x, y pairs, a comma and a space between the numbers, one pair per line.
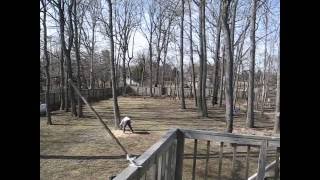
229, 66
183, 103
277, 113
250, 112
191, 59
47, 66
216, 82
113, 75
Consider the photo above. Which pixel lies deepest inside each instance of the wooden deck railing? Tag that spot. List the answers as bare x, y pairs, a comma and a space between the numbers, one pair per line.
164, 160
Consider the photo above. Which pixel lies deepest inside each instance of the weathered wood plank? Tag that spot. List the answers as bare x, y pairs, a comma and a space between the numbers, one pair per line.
262, 160
194, 162
277, 165
207, 160
230, 137
220, 160
163, 165
179, 155
247, 162
234, 156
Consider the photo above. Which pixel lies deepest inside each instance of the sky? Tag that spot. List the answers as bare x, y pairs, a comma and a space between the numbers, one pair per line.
141, 43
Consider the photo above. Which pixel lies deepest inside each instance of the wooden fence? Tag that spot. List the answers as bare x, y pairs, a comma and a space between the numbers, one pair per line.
171, 91
91, 95
164, 160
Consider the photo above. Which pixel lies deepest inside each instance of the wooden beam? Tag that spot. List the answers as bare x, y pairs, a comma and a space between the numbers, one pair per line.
194, 162
262, 160
230, 137
179, 155
207, 161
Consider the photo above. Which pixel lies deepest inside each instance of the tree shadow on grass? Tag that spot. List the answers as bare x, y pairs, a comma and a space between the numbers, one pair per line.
141, 132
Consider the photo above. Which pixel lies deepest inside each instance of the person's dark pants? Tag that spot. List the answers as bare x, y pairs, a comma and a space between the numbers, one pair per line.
128, 123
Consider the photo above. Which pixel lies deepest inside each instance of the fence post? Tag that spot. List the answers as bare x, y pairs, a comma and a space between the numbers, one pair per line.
262, 160
179, 155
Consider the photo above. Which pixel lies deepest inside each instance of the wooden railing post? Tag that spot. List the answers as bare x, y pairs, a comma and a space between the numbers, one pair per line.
179, 155
262, 160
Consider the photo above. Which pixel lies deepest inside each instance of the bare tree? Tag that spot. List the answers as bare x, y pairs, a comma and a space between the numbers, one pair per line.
46, 57
150, 28
191, 56
60, 5
114, 88
250, 111
216, 82
127, 19
183, 104
229, 65
202, 104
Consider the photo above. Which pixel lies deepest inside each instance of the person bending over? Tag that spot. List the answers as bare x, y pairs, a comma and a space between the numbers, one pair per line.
126, 121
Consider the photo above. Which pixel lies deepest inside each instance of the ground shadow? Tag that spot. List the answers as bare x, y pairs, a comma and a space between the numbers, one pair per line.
82, 157
141, 132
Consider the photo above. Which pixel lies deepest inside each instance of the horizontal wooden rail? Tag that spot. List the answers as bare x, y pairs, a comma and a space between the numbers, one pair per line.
230, 137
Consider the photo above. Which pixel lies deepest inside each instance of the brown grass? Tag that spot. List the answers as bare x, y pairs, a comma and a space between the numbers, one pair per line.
81, 149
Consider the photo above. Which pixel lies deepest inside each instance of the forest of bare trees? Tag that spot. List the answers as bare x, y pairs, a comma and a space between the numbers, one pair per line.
226, 52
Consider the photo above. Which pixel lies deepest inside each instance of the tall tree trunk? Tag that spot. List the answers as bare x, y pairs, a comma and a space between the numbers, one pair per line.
47, 66
216, 82
222, 77
143, 69
150, 62
77, 52
233, 24
204, 64
124, 73
62, 81
183, 104
91, 84
201, 58
277, 113
129, 70
67, 52
250, 112
191, 58
113, 75
264, 82
229, 66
